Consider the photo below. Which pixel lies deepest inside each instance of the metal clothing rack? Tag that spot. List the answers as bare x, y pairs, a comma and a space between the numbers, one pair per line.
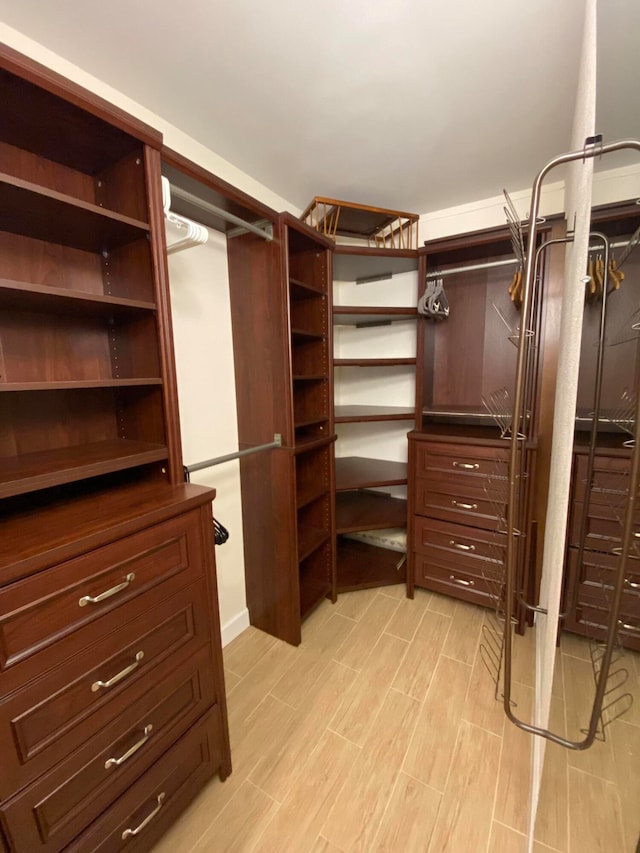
266, 233
228, 457
606, 651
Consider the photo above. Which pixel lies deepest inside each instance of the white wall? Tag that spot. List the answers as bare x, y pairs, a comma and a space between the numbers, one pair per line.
608, 186
207, 399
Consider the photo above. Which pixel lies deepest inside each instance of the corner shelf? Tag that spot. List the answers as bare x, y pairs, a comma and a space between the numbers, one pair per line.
361, 414
362, 510
358, 472
362, 316
372, 362
355, 560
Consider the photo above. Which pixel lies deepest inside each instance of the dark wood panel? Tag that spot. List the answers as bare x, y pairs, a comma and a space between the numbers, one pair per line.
30, 211
362, 510
460, 461
356, 472
316, 578
479, 553
470, 506
362, 566
61, 803
455, 583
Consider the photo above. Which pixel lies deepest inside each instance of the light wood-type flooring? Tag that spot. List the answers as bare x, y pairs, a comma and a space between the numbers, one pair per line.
381, 733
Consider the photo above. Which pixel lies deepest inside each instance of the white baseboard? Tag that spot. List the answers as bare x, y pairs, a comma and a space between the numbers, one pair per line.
235, 626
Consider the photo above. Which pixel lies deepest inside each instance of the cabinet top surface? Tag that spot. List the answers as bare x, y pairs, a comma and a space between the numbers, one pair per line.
42, 536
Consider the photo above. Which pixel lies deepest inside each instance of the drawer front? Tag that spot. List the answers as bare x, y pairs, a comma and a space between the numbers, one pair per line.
50, 813
591, 618
141, 815
610, 475
458, 583
477, 552
473, 507
460, 461
604, 526
597, 579
50, 717
40, 610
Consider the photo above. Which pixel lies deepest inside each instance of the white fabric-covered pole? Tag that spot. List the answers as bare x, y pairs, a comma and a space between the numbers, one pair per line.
578, 210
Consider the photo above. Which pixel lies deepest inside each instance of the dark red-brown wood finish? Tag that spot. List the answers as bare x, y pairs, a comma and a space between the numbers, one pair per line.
111, 678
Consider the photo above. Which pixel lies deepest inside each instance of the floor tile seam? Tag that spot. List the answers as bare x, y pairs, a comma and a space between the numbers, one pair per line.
495, 792
247, 781
524, 835
422, 782
592, 775
385, 810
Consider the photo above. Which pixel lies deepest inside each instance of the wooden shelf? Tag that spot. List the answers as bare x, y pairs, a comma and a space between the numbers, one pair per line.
360, 510
361, 566
307, 496
48, 468
312, 592
38, 297
372, 362
304, 445
351, 263
371, 316
79, 385
309, 540
302, 290
359, 414
34, 211
358, 472
302, 335
320, 419
312, 377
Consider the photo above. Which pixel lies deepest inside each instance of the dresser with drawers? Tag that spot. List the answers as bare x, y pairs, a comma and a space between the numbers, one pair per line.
457, 492
603, 508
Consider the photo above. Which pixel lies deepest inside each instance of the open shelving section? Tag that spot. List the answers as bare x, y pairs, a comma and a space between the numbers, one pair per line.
284, 383
374, 318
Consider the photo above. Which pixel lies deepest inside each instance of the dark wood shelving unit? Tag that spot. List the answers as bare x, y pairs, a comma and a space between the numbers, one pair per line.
362, 565
94, 509
284, 383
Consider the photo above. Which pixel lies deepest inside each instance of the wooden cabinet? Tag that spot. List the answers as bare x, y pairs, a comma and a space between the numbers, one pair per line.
374, 316
111, 683
281, 309
457, 539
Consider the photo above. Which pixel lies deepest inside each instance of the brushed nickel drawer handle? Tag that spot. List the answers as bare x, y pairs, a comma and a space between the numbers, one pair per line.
462, 505
117, 678
461, 581
460, 546
129, 833
631, 584
618, 551
116, 762
634, 628
468, 466
96, 599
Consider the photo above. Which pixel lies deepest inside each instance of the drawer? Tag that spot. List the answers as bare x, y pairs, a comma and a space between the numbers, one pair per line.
473, 506
39, 611
591, 618
55, 714
598, 577
140, 816
468, 462
61, 804
610, 475
478, 552
604, 526
456, 583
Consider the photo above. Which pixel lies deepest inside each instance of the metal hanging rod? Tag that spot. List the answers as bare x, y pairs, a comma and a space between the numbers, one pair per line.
489, 264
177, 192
218, 460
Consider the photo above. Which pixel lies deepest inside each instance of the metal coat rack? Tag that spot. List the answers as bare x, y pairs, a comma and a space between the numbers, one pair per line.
229, 457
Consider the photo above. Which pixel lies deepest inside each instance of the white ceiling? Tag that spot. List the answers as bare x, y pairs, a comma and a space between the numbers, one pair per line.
410, 104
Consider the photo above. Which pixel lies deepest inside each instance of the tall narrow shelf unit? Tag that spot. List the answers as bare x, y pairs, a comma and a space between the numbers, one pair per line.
112, 705
374, 317
281, 308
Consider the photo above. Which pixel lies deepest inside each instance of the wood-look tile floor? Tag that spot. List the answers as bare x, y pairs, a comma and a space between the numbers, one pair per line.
381, 733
